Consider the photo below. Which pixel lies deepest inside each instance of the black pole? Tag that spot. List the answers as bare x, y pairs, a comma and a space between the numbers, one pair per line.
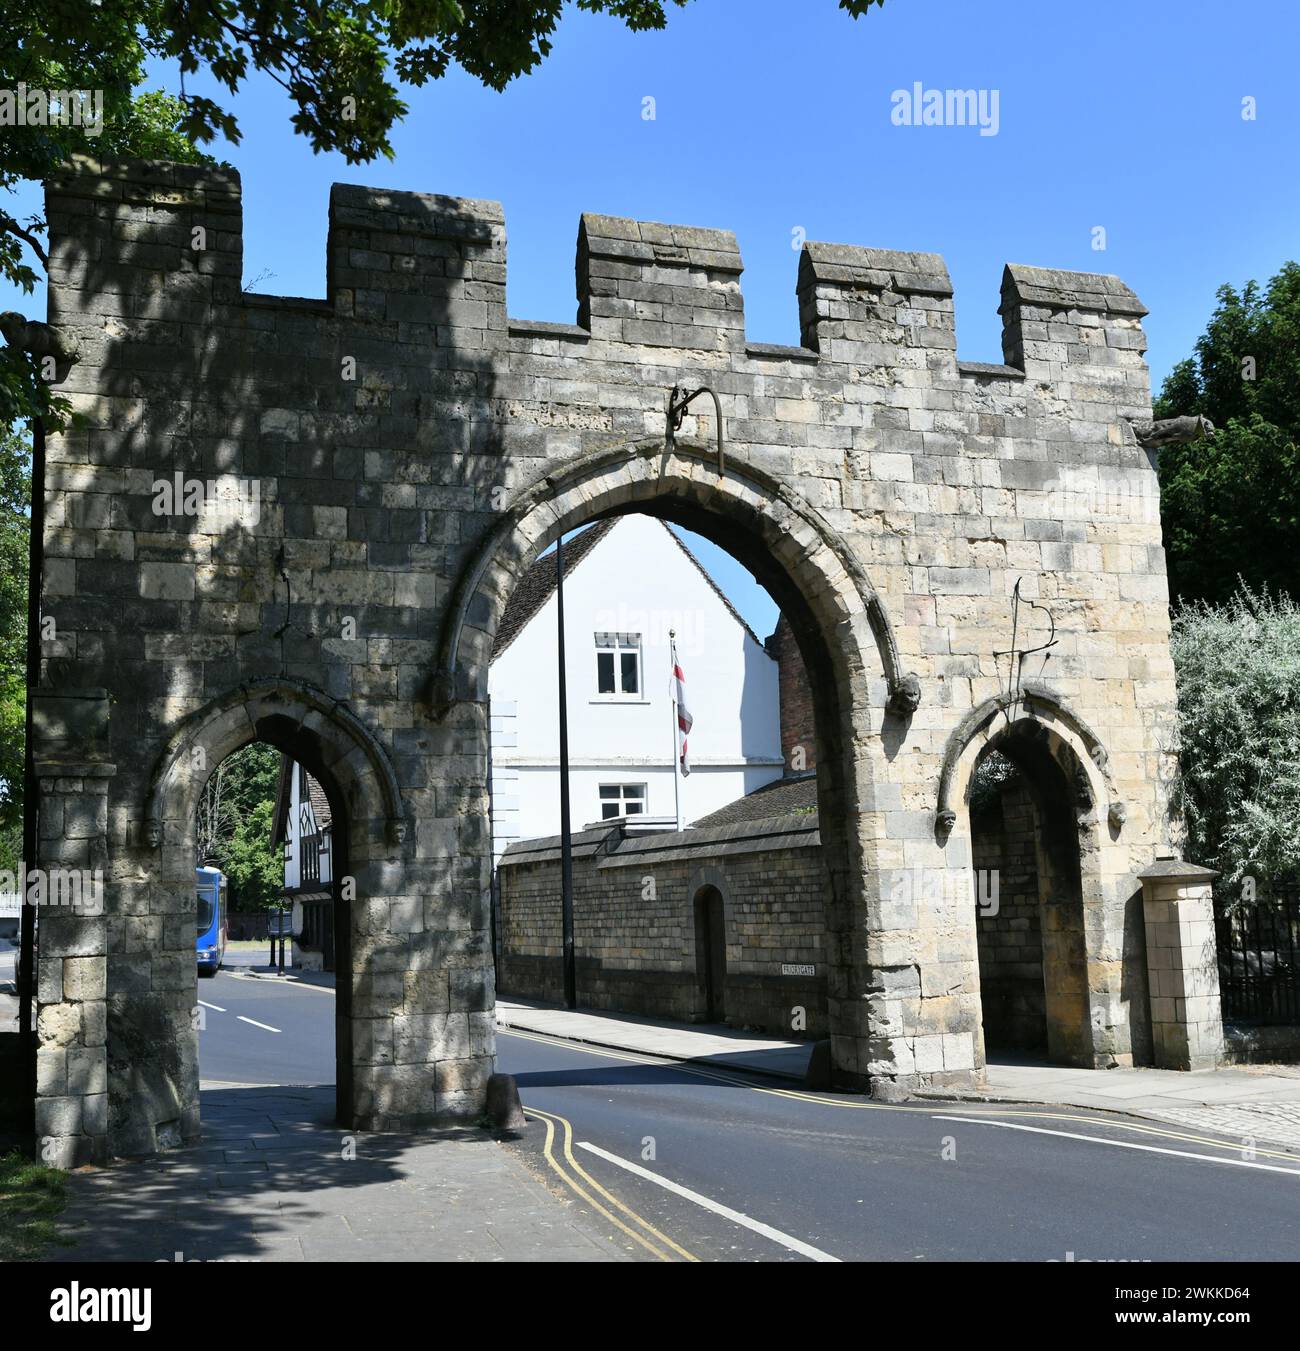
26, 972
566, 832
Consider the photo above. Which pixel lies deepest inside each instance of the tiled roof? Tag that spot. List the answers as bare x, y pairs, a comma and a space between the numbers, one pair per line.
784, 797
538, 584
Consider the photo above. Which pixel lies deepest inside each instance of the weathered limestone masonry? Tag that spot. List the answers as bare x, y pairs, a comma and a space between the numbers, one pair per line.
414, 450
636, 944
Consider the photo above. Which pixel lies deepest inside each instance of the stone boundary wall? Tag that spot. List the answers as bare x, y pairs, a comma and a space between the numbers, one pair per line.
634, 921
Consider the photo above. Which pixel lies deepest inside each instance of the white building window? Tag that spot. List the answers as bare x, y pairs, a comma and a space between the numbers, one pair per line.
618, 665
621, 799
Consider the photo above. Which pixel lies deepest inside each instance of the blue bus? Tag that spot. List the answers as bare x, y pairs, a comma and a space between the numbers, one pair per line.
212, 920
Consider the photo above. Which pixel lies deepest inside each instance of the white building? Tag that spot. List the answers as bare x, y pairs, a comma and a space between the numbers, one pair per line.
304, 825
628, 582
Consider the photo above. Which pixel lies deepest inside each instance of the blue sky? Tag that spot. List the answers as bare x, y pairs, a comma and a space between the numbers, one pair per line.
775, 115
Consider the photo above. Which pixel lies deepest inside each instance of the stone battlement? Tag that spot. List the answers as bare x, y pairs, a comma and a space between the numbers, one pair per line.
435, 267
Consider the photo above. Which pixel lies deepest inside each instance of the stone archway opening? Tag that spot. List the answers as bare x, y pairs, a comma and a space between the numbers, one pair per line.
271, 841
147, 1000
844, 639
1025, 828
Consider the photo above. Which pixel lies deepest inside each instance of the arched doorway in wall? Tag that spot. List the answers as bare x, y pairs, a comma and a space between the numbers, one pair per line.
154, 1090
1026, 838
711, 954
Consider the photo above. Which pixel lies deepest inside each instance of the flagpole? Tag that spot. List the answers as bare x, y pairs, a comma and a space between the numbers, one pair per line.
672, 657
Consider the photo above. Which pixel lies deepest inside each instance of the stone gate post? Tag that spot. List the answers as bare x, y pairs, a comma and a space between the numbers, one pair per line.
1182, 965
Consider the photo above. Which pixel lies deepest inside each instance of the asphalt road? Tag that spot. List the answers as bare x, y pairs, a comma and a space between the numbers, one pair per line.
258, 1031
690, 1162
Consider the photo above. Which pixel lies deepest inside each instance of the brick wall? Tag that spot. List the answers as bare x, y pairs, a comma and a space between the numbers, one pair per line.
798, 724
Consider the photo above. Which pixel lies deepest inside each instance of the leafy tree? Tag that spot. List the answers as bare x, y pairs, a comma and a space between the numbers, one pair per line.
1230, 504
992, 774
235, 817
255, 869
1238, 667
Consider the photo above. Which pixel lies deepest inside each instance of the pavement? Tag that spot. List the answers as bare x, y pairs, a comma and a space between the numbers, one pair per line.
717, 1045
275, 1181
1256, 1102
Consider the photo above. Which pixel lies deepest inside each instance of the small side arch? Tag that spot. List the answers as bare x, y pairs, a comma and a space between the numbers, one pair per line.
318, 730
1086, 760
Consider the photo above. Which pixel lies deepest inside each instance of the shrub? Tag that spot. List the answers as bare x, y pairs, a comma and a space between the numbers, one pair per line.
1238, 672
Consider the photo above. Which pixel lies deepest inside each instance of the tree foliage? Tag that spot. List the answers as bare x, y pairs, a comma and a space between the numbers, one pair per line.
15, 533
1238, 667
1230, 504
235, 817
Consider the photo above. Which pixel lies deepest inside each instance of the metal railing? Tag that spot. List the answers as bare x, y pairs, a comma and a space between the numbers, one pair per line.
1259, 957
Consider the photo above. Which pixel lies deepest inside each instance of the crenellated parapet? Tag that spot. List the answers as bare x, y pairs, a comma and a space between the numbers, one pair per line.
425, 273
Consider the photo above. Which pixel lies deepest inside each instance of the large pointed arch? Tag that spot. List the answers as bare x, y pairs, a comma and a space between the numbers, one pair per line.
675, 482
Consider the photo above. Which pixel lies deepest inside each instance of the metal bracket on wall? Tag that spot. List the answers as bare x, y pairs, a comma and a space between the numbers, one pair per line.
1018, 654
677, 411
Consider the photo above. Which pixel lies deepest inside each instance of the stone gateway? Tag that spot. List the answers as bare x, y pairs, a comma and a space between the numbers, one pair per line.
387, 461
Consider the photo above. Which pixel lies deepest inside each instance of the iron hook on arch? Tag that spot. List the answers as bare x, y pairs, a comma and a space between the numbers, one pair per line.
677, 411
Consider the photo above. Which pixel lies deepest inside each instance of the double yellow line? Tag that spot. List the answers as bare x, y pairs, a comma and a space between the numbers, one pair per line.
658, 1244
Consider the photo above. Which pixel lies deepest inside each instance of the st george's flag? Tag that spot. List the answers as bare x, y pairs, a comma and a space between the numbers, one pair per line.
684, 719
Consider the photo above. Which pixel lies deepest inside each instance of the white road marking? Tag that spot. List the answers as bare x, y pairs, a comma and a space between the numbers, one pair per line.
255, 1023
216, 1008
785, 1240
1122, 1144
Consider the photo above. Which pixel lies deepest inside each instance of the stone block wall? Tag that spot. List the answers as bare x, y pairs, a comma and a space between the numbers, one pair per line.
634, 922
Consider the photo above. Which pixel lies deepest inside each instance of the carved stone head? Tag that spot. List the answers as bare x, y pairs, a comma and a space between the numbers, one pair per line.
905, 694
153, 832
396, 830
